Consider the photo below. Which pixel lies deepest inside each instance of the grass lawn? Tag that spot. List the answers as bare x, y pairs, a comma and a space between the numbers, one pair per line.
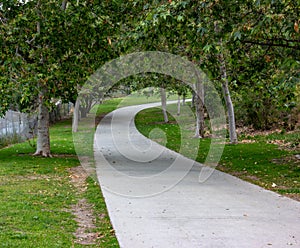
266, 160
44, 201
50, 202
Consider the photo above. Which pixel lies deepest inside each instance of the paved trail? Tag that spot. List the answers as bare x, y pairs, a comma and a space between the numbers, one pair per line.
148, 210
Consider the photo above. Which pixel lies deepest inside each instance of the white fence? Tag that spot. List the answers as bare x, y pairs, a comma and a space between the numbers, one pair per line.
16, 126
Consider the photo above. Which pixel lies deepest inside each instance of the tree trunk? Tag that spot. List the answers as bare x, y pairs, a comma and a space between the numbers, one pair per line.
183, 99
83, 112
178, 105
58, 115
199, 104
43, 137
164, 104
86, 106
76, 116
229, 105
193, 99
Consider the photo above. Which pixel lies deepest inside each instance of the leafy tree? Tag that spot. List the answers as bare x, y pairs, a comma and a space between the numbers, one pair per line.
49, 50
233, 41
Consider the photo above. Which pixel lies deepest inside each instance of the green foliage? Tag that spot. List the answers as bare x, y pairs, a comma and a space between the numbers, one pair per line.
259, 41
266, 104
51, 50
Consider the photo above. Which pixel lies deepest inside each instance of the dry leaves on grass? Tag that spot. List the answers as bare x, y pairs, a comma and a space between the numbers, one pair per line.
247, 141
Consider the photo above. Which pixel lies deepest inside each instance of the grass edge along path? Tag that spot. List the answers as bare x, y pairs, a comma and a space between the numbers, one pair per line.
44, 200
256, 159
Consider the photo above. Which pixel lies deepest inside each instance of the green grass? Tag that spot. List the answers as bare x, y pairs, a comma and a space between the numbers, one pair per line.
262, 162
106, 107
134, 98
137, 98
37, 194
146, 122
103, 225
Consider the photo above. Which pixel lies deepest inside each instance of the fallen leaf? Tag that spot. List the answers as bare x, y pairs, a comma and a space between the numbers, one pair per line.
296, 27
109, 41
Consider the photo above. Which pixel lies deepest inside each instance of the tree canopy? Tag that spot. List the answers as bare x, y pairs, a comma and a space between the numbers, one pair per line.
249, 48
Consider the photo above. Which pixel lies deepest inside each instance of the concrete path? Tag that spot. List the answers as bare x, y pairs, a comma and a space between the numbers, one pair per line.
151, 208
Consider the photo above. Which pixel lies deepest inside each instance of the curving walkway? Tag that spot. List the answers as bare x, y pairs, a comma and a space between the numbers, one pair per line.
154, 198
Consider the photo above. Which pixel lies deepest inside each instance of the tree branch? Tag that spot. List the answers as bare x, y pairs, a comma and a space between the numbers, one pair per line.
38, 28
271, 44
283, 39
18, 54
64, 5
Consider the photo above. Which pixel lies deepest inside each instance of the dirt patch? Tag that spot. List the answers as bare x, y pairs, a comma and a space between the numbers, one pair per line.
235, 173
289, 159
162, 122
85, 219
245, 176
252, 178
88, 165
282, 144
52, 155
98, 119
78, 178
247, 141
252, 132
18, 178
83, 211
293, 196
64, 156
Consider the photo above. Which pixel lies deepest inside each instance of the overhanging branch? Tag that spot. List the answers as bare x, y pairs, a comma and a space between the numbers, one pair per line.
271, 44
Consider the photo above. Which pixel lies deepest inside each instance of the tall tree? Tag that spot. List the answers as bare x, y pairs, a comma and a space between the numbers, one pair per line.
199, 105
50, 47
268, 30
163, 97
